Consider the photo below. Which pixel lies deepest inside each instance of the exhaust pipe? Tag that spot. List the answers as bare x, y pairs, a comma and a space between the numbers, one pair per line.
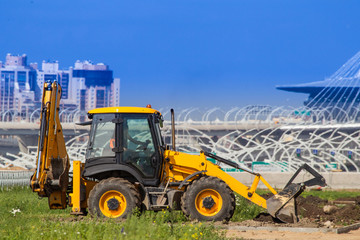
173, 129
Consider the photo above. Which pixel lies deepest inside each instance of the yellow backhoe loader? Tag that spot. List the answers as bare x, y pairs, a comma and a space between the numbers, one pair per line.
128, 166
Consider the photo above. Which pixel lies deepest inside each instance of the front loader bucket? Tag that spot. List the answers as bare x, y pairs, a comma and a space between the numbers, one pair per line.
283, 205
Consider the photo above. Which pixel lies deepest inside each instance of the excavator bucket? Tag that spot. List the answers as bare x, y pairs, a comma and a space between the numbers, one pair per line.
283, 205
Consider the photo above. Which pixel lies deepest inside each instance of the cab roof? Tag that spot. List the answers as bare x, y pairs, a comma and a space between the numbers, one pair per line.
122, 110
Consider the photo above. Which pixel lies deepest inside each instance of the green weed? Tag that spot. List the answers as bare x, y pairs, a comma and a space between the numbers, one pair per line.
245, 209
24, 216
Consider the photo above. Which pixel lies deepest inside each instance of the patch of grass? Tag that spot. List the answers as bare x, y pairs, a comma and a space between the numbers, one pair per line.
245, 209
330, 194
24, 216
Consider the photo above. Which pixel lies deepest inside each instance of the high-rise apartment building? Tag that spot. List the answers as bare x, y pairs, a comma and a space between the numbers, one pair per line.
84, 86
91, 85
50, 72
17, 84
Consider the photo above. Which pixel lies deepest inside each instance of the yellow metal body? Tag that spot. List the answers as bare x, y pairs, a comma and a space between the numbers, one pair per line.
75, 196
122, 110
80, 189
51, 175
180, 165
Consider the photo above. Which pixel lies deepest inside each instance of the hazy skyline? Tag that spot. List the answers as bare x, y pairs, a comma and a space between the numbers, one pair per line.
190, 53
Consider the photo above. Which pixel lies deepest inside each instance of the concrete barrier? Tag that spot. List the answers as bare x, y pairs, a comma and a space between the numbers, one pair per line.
334, 180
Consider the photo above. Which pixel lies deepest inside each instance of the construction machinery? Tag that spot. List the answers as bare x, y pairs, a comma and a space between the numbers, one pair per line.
129, 166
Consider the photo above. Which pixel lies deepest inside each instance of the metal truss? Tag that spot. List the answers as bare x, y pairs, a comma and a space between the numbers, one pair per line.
273, 135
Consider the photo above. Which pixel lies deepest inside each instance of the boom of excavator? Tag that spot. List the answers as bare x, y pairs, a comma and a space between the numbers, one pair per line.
123, 172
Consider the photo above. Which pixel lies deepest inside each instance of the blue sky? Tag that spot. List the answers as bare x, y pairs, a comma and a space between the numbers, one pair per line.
181, 53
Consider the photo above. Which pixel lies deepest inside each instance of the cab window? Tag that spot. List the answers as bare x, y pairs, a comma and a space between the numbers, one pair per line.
138, 144
102, 137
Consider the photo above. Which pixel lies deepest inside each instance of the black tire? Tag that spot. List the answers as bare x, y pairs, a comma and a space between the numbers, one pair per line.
208, 199
113, 198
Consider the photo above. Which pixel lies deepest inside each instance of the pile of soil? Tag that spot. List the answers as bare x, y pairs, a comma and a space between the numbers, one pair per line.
312, 208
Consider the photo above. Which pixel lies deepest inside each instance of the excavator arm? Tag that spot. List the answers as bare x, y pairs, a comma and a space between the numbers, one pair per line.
281, 205
51, 177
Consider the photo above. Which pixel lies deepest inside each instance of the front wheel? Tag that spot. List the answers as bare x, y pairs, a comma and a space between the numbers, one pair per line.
208, 199
113, 198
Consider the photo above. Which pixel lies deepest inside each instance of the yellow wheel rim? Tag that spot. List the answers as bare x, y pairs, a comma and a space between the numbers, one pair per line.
208, 202
112, 204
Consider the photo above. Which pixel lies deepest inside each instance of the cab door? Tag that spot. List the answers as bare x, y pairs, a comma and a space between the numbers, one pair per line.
139, 146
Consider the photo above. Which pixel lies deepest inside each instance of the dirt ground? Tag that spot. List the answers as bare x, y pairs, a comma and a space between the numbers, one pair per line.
313, 213
342, 214
285, 235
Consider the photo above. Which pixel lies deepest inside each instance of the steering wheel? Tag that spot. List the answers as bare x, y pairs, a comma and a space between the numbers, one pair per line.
143, 145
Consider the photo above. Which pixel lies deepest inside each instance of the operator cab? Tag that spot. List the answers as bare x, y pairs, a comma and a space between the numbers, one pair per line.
125, 142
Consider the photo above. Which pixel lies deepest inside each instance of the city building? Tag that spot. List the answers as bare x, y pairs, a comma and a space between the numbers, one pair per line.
17, 84
49, 72
93, 86
84, 86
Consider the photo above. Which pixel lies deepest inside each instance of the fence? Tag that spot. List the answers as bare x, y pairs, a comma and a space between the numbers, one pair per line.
15, 178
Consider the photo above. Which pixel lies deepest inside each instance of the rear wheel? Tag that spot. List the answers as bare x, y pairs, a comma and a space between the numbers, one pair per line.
208, 199
113, 198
